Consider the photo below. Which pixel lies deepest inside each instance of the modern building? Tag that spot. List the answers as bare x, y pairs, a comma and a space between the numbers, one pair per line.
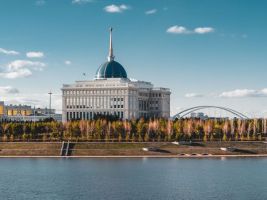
199, 115
113, 93
14, 110
26, 113
2, 110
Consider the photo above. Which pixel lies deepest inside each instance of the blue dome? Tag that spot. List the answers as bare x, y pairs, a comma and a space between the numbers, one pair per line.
111, 69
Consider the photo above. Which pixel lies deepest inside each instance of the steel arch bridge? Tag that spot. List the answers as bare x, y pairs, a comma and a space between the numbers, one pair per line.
196, 108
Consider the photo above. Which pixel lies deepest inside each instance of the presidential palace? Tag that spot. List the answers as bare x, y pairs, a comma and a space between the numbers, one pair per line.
112, 93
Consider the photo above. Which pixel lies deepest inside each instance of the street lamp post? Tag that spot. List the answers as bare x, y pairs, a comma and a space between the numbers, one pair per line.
50, 94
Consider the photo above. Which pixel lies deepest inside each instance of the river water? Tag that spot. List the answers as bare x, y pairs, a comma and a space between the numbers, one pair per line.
122, 178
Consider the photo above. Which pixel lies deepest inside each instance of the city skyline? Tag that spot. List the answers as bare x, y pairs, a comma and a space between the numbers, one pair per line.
206, 52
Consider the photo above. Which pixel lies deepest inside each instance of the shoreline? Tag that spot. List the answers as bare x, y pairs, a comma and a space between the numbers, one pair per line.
148, 156
133, 150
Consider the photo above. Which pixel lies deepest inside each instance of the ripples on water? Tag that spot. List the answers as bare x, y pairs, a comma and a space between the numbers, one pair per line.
137, 179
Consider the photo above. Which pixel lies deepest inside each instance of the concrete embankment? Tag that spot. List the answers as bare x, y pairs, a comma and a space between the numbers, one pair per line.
162, 149
30, 148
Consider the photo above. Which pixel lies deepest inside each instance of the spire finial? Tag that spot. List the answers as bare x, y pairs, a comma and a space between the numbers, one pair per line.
110, 54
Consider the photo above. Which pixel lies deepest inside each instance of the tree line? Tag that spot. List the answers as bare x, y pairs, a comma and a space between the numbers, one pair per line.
142, 130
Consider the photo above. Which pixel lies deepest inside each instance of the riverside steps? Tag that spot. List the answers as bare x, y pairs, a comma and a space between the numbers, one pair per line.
62, 148
66, 148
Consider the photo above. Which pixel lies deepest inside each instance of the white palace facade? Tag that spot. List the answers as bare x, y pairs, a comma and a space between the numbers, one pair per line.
111, 93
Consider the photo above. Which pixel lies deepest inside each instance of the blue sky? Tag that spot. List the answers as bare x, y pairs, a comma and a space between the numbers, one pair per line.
206, 51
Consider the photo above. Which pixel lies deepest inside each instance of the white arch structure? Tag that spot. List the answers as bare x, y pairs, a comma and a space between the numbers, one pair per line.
196, 108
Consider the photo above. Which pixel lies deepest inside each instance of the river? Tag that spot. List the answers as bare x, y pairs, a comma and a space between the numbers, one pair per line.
122, 178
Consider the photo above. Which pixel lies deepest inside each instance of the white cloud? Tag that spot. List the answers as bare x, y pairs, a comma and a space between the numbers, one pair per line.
8, 52
16, 74
81, 1
8, 90
191, 95
67, 62
242, 93
203, 30
183, 30
150, 12
116, 8
35, 54
19, 64
177, 30
21, 68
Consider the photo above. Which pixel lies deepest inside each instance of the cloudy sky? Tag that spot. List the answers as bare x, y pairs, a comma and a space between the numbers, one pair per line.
208, 52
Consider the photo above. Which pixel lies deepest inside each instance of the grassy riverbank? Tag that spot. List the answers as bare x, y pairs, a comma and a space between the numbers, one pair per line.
132, 149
